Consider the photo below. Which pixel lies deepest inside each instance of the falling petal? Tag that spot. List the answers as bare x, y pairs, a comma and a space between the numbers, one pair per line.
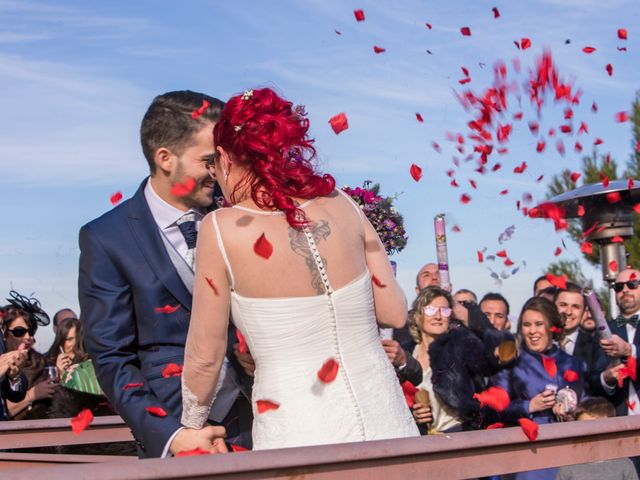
378, 49
81, 421
376, 281
416, 172
622, 33
339, 123
419, 117
329, 371
156, 411
359, 14
263, 247
183, 189
496, 13
466, 31
266, 405
115, 198
588, 49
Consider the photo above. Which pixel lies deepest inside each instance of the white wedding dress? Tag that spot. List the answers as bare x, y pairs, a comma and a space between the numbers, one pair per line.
290, 338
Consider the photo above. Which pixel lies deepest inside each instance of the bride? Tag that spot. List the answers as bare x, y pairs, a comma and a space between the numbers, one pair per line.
293, 261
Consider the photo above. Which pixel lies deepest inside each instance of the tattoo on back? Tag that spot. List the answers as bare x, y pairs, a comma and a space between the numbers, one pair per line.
300, 246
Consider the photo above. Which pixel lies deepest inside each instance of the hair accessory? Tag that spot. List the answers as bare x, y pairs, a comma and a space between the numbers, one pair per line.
29, 305
238, 127
226, 176
300, 111
247, 94
199, 111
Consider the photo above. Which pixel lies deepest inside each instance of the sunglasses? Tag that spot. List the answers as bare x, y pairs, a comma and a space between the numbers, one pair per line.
631, 285
20, 332
431, 311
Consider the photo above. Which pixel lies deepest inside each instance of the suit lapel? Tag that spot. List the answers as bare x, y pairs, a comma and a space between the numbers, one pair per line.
146, 232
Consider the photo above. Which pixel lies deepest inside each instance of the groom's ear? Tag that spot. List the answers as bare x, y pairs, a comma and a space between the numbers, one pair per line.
164, 160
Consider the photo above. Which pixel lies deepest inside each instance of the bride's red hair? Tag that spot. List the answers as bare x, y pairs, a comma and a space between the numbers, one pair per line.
264, 133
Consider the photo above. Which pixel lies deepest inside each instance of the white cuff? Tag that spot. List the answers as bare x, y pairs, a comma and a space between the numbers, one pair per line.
633, 350
165, 451
608, 389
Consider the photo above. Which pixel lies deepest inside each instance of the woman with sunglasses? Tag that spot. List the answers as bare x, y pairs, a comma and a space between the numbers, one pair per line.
430, 318
19, 330
542, 371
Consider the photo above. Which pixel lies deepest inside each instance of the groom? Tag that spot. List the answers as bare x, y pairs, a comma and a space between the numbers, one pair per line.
136, 281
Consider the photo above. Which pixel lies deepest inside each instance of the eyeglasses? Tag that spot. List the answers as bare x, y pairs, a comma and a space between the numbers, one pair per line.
631, 285
430, 310
211, 165
20, 332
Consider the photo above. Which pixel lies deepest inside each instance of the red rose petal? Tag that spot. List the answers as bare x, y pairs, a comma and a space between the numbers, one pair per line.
129, 386
480, 256
557, 252
266, 405
237, 448
540, 146
199, 111
580, 210
339, 123
502, 254
419, 117
598, 141
495, 425
191, 453
329, 371
575, 176
605, 180
466, 31
465, 198
521, 168
242, 342
525, 43
530, 428
570, 376
496, 12
508, 262
550, 366
613, 197
609, 69
115, 198
377, 282
622, 117
631, 405
378, 49
636, 208
212, 285
156, 411
586, 247
613, 266
559, 281
494, 397
167, 309
409, 391
183, 189
617, 239
588, 49
416, 172
630, 183
172, 370
428, 25
359, 14
622, 33
504, 192
262, 247
81, 421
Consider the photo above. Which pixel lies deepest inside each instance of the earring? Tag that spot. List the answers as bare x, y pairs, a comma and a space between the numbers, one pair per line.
226, 176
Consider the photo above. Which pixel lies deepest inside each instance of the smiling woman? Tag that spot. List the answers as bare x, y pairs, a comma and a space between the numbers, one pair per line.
542, 371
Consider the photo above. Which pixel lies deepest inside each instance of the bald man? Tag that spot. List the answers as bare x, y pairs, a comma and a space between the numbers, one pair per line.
427, 276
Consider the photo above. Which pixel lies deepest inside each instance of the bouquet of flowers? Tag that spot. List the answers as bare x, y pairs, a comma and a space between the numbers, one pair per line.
382, 215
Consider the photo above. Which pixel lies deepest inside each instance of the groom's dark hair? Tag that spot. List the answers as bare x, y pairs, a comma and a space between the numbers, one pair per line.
173, 118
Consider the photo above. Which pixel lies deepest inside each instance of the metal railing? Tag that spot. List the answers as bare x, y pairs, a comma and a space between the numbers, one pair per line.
453, 456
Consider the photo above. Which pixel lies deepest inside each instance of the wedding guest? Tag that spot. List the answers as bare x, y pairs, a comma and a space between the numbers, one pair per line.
465, 295
541, 369
13, 383
588, 324
62, 315
430, 319
571, 305
21, 320
541, 283
427, 276
623, 343
618, 469
68, 346
496, 308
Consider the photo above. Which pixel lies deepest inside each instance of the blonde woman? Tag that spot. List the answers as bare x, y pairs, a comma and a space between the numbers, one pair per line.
430, 319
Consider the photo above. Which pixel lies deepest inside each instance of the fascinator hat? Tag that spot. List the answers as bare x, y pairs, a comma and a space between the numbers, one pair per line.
30, 305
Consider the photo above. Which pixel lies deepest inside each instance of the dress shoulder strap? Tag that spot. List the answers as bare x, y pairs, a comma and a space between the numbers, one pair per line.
216, 228
353, 204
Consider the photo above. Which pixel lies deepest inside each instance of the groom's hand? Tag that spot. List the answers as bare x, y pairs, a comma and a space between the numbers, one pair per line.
245, 360
208, 438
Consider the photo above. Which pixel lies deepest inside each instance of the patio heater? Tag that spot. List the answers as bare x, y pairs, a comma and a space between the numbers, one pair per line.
605, 218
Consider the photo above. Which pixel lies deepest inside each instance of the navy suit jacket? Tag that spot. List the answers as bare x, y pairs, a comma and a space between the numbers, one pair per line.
588, 349
621, 395
125, 275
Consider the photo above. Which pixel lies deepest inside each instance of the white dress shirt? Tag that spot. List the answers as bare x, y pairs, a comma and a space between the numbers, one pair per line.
570, 342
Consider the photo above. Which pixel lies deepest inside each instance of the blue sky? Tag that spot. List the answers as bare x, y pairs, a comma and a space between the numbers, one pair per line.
76, 78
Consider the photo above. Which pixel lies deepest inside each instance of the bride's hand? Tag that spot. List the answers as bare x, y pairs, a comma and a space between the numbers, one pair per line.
208, 438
